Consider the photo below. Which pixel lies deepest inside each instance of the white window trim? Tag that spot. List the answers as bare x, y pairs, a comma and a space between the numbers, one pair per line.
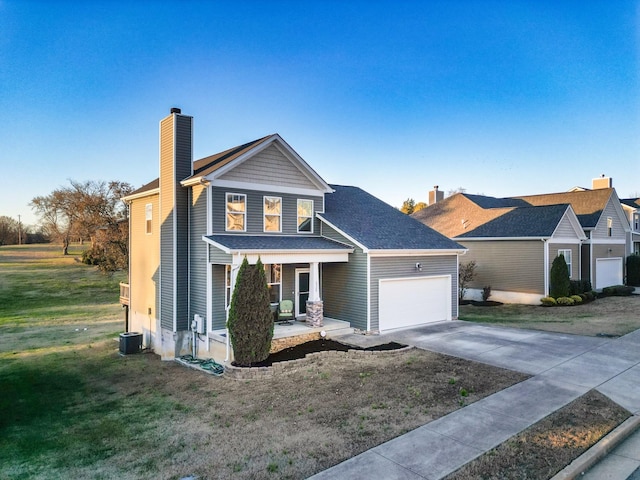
298, 216
148, 218
562, 251
264, 214
227, 212
609, 227
227, 286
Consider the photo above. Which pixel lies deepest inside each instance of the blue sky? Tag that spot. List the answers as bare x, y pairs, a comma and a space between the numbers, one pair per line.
499, 98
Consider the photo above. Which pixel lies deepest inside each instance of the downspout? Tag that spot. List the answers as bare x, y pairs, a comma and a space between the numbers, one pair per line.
545, 247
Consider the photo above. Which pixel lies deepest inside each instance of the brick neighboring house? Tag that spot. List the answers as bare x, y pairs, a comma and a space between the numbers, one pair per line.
345, 258
514, 240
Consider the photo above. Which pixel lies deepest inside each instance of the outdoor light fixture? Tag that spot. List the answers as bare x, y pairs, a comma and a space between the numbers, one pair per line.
418, 267
323, 334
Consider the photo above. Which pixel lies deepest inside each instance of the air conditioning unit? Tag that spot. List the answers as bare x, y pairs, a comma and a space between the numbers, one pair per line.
198, 324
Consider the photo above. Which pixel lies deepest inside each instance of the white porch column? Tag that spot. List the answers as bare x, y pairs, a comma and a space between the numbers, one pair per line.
314, 303
314, 282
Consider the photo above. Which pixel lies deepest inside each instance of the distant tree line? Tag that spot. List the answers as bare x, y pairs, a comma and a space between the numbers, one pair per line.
88, 211
13, 232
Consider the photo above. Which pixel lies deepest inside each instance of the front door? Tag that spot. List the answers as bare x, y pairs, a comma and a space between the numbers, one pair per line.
302, 291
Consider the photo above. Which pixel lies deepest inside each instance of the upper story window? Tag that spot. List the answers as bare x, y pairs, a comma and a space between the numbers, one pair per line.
636, 222
609, 226
272, 214
236, 212
566, 253
273, 274
305, 216
148, 218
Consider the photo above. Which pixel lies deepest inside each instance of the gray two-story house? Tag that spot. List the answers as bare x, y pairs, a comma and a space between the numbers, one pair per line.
341, 255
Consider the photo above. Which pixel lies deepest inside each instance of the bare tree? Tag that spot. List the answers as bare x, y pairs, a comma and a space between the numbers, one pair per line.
9, 231
80, 209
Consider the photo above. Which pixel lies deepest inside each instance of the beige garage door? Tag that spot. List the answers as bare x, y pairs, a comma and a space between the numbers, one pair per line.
406, 302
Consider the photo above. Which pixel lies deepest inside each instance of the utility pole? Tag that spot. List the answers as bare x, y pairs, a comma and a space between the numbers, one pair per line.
19, 230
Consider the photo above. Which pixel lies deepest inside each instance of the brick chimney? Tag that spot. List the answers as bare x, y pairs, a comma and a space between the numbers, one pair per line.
435, 195
601, 182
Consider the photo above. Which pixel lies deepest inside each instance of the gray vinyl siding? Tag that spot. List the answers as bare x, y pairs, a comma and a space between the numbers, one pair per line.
601, 230
404, 267
565, 229
507, 265
344, 285
218, 257
575, 257
175, 165
218, 285
254, 221
269, 167
198, 286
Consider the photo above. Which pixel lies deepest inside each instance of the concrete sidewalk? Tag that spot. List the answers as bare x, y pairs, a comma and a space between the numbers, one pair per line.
564, 367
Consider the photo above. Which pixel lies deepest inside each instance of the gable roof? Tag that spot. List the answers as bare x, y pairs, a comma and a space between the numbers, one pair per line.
148, 189
376, 225
588, 205
213, 167
631, 202
522, 222
461, 213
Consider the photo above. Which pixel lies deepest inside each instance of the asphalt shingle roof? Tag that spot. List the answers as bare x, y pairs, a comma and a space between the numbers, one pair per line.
377, 225
493, 202
522, 222
588, 204
237, 242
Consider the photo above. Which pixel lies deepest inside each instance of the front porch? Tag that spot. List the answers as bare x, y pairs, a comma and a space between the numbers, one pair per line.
284, 336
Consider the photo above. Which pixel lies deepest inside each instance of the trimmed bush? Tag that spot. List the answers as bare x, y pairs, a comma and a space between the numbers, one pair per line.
633, 270
486, 293
576, 287
565, 301
559, 281
617, 291
576, 298
250, 319
548, 301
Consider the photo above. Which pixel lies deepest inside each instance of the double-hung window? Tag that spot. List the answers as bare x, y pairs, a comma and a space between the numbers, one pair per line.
148, 218
236, 212
272, 214
566, 253
305, 216
609, 226
273, 274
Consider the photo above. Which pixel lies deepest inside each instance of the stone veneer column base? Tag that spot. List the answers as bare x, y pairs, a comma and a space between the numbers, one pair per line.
315, 313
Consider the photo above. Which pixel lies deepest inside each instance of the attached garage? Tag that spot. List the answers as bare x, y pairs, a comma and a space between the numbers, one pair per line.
608, 272
407, 302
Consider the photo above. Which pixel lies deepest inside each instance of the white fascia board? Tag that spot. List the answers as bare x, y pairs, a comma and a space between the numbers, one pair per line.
263, 187
348, 237
294, 257
609, 241
216, 244
570, 240
487, 239
413, 253
147, 193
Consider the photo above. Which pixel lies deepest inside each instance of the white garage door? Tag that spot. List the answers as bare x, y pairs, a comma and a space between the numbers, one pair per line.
608, 272
405, 302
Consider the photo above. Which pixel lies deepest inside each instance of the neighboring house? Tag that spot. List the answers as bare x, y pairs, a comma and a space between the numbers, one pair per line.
631, 207
339, 253
512, 243
514, 240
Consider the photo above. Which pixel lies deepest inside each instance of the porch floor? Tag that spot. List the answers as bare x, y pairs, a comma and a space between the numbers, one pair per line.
331, 326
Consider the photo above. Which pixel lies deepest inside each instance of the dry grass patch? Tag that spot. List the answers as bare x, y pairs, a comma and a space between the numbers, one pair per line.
614, 316
138, 417
547, 447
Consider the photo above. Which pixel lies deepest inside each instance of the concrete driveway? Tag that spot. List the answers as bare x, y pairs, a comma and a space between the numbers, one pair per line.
564, 367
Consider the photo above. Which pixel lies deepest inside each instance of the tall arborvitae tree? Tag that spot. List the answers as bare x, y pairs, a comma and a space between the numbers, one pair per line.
559, 282
633, 270
250, 321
